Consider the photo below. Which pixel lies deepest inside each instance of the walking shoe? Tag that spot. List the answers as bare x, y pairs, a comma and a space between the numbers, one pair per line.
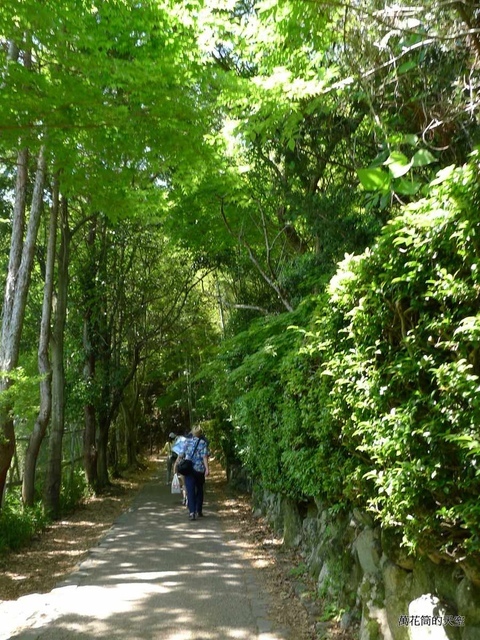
199, 514
192, 516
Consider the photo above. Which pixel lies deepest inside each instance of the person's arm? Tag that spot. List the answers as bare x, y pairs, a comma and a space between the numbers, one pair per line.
205, 463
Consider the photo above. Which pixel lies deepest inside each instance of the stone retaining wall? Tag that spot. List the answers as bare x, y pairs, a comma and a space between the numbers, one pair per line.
364, 573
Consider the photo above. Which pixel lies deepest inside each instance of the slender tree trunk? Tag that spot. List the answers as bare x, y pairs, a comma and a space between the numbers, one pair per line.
15, 296
57, 427
26, 263
103, 411
7, 433
221, 312
44, 368
89, 436
130, 438
16, 243
113, 451
104, 362
130, 412
102, 448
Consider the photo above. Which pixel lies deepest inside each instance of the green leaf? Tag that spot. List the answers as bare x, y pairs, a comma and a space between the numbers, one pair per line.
291, 144
410, 138
443, 175
407, 187
403, 240
422, 158
396, 157
398, 163
406, 66
373, 179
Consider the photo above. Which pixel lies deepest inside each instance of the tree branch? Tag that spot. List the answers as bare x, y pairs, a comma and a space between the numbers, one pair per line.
271, 282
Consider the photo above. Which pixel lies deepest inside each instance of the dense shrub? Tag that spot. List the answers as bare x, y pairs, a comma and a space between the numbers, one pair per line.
74, 489
369, 394
406, 370
18, 524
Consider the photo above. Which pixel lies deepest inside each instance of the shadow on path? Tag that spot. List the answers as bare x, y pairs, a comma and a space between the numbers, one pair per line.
154, 576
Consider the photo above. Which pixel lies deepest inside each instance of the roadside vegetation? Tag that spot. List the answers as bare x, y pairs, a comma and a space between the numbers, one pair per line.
280, 242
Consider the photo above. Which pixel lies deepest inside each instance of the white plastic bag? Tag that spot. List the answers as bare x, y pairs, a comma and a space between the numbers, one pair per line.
176, 488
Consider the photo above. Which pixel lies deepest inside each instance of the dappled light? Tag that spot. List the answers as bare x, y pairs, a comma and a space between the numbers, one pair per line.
157, 575
245, 232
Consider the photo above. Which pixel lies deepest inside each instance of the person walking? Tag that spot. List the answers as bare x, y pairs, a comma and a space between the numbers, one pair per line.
171, 455
196, 450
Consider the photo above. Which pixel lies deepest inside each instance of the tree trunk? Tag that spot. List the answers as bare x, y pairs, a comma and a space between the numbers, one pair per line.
57, 427
102, 448
104, 415
114, 450
16, 243
130, 438
44, 368
89, 446
15, 297
89, 435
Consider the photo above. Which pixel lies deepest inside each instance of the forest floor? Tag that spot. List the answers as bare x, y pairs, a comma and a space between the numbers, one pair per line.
64, 544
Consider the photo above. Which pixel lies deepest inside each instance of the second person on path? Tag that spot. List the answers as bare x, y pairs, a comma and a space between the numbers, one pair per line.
196, 450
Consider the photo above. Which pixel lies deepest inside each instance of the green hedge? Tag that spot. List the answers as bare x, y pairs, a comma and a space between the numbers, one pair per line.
369, 394
406, 371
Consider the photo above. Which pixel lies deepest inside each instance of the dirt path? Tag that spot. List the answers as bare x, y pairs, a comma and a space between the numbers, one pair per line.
65, 545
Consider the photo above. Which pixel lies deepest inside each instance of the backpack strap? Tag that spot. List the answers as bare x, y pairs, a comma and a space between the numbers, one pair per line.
195, 448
